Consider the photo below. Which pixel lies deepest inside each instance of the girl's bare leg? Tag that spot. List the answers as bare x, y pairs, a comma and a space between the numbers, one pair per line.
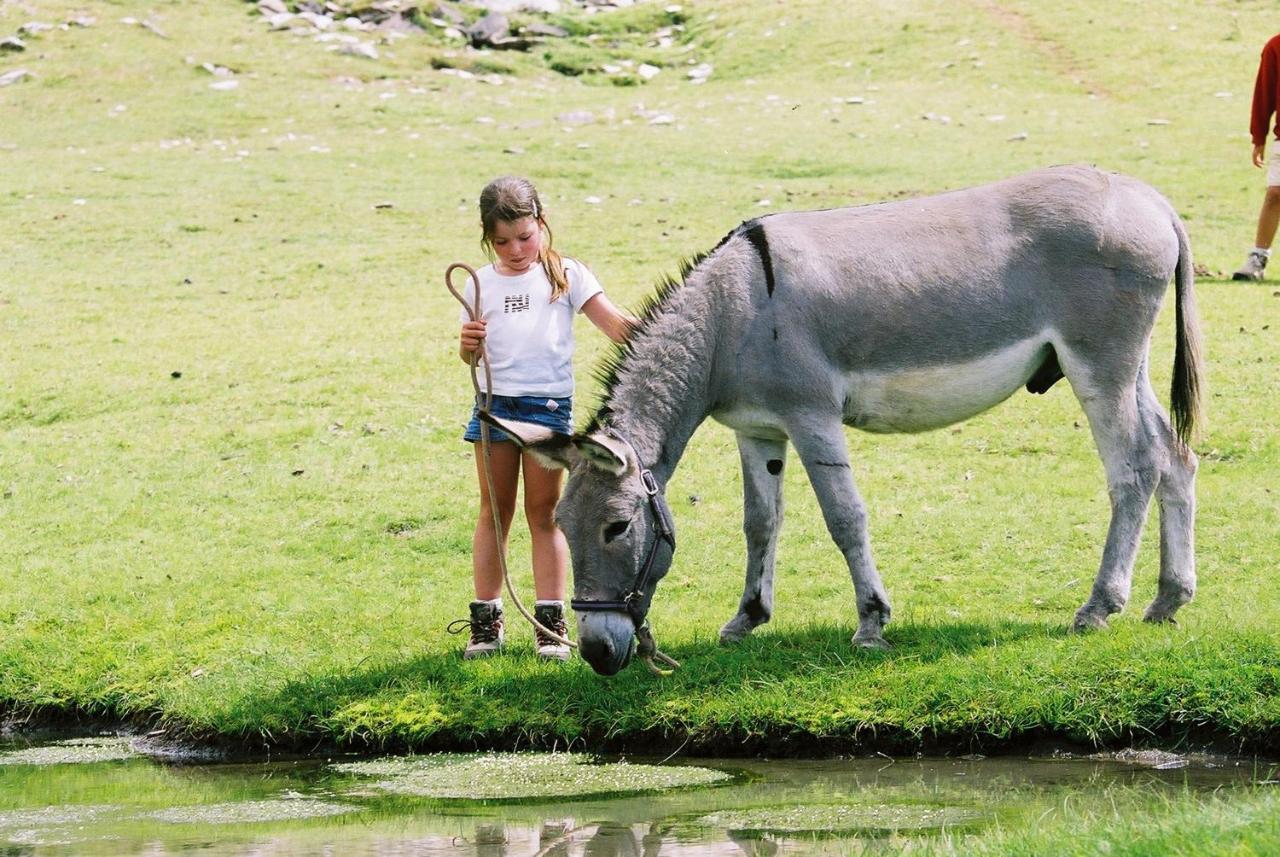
487, 571
550, 550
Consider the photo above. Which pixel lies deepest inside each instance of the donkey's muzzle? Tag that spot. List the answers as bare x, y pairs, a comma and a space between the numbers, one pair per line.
606, 640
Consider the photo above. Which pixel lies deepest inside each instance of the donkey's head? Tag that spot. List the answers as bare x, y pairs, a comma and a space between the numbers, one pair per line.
620, 534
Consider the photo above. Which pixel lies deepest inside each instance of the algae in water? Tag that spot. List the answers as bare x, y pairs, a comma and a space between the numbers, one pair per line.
815, 818
245, 812
77, 751
524, 776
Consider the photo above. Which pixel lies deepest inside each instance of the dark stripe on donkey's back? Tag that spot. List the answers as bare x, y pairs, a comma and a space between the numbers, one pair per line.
753, 231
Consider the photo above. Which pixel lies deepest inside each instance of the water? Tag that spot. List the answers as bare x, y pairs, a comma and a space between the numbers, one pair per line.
101, 796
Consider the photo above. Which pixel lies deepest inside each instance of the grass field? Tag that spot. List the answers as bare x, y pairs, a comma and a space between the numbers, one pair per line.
233, 498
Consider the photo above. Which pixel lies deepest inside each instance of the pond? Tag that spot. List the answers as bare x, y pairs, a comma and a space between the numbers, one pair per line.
120, 794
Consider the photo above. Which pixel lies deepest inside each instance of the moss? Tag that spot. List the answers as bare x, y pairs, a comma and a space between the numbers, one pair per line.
524, 776
77, 751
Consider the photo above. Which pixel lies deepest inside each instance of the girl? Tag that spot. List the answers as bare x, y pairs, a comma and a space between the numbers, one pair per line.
530, 294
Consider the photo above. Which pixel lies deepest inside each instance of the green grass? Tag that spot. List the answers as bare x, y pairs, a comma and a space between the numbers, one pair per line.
1238, 825
233, 496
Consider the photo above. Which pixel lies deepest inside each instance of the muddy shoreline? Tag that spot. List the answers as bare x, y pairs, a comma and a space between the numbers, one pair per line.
178, 742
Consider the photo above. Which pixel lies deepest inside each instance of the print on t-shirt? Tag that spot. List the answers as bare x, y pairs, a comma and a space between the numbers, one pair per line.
515, 303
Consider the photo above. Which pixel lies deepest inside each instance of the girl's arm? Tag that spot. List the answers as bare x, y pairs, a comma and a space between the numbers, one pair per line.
613, 322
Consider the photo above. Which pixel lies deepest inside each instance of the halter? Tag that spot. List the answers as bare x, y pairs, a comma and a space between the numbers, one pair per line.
631, 601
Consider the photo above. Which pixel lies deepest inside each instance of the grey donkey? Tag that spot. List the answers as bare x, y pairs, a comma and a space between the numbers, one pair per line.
899, 317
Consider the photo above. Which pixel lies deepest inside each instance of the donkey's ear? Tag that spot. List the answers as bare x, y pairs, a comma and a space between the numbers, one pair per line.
553, 450
602, 451
556, 452
524, 434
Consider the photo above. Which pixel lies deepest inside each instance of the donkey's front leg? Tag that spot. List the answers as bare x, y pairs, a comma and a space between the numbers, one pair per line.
762, 463
826, 460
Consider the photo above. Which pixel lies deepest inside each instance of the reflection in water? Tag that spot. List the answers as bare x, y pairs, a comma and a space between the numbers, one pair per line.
873, 806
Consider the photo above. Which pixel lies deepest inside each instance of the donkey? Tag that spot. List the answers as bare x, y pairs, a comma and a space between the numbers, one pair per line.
898, 317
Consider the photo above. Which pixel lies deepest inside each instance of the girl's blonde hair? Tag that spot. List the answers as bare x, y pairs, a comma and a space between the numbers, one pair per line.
511, 198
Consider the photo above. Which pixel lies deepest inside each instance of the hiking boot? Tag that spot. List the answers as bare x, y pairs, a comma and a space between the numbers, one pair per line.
1252, 268
486, 630
552, 616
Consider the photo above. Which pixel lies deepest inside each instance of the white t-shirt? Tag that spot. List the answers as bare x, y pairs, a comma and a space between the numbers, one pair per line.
529, 339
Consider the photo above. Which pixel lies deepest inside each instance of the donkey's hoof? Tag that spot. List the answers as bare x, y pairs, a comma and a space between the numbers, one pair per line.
734, 632
1159, 617
876, 642
1086, 622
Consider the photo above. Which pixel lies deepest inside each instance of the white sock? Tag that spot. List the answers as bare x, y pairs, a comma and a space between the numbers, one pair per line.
545, 602
496, 602
1264, 251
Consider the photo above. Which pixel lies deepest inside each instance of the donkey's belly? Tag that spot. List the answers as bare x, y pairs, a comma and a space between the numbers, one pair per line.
929, 397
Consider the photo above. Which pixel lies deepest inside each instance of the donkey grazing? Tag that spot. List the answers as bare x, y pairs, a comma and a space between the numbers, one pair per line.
899, 317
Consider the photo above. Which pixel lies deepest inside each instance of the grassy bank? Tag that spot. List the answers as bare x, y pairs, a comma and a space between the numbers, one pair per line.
232, 492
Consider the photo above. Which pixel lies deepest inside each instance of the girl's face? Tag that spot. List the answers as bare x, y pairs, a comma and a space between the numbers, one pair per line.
517, 244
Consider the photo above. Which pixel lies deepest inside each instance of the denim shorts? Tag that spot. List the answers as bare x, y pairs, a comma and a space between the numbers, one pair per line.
555, 414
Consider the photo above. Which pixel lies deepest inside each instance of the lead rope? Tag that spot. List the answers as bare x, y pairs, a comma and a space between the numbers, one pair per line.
476, 356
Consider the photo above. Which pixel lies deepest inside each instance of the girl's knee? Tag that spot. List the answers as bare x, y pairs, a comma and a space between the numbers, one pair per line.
541, 516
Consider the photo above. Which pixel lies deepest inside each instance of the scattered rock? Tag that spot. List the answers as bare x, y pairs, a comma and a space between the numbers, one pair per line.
272, 7
647, 72
225, 85
551, 6
1021, 135
217, 70
33, 28
489, 29
663, 119
83, 21
1157, 121
12, 45
445, 14
15, 76
576, 117
144, 24
319, 21
540, 28
700, 72
359, 49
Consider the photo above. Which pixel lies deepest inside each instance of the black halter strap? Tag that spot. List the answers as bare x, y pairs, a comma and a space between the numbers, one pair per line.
664, 528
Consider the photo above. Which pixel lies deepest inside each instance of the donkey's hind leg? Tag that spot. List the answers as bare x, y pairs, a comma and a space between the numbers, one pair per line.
1176, 494
762, 463
1132, 468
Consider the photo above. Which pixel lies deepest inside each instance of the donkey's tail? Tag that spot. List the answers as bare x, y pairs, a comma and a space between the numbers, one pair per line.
1186, 397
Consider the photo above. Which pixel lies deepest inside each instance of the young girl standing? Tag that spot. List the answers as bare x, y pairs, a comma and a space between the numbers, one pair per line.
530, 294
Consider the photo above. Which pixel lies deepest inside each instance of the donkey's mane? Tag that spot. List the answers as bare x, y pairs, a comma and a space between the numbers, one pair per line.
653, 305
609, 369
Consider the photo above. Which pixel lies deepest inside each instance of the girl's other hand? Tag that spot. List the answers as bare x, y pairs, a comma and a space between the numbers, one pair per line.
473, 334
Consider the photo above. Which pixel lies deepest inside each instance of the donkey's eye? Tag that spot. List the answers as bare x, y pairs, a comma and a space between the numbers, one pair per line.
615, 529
